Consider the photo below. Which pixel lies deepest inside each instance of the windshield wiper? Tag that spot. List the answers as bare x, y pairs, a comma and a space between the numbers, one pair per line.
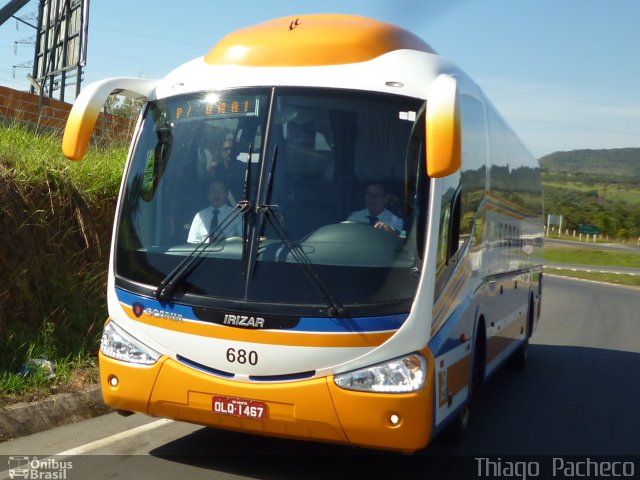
301, 258
246, 206
169, 283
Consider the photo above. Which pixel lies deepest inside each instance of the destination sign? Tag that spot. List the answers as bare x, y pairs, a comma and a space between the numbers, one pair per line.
213, 106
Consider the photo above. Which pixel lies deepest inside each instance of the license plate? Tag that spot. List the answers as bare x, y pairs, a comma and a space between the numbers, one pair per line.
240, 407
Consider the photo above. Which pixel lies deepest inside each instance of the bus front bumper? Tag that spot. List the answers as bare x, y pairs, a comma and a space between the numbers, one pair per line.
314, 409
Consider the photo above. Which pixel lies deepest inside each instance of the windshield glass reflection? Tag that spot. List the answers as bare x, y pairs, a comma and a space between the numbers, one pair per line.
331, 214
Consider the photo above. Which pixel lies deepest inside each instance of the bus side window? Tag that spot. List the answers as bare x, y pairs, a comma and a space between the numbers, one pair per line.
474, 181
454, 229
443, 237
449, 231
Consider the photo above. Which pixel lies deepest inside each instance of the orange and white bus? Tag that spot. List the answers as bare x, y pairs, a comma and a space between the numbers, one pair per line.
288, 315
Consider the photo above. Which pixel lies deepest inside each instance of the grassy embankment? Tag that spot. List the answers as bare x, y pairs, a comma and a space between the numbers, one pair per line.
55, 233
593, 257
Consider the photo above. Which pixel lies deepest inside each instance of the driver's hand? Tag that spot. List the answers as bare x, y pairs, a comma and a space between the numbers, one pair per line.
386, 228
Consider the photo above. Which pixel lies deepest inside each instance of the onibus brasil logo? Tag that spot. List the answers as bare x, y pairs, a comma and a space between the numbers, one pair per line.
33, 468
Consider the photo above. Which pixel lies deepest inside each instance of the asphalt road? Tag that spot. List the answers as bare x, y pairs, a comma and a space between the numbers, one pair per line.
578, 395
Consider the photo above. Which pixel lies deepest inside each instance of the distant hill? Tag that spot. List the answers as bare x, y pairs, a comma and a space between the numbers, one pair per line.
619, 165
599, 187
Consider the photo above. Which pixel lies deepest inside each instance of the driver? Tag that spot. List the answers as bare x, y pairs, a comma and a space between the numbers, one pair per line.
207, 219
375, 214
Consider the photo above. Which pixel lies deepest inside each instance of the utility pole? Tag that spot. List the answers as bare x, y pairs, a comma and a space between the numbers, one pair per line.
10, 9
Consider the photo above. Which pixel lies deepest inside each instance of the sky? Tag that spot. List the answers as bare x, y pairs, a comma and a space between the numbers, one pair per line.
564, 73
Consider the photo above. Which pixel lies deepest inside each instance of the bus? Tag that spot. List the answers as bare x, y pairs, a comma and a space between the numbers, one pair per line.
286, 315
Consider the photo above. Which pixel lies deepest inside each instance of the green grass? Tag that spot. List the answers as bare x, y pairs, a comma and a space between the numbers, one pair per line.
591, 256
622, 193
615, 278
55, 233
72, 373
35, 158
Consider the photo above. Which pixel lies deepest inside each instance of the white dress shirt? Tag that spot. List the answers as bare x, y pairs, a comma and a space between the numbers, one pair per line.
202, 220
385, 217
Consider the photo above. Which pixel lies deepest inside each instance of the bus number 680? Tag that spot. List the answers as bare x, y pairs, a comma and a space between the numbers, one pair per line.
241, 356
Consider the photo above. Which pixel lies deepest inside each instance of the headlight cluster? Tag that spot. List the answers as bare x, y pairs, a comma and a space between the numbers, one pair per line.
118, 344
406, 374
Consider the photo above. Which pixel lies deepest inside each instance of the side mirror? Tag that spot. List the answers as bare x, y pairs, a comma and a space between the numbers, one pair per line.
443, 128
86, 108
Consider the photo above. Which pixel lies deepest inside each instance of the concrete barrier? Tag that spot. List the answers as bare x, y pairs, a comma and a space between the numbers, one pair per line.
21, 419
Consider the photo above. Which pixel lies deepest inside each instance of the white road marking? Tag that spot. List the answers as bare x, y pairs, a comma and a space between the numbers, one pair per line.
593, 271
103, 442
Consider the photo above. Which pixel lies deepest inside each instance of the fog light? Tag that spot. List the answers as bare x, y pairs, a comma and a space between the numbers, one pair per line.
113, 380
394, 419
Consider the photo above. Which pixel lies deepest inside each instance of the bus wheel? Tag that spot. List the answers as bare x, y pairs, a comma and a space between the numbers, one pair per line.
457, 429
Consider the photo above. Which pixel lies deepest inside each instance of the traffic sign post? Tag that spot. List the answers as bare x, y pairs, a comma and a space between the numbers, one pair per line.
587, 229
554, 220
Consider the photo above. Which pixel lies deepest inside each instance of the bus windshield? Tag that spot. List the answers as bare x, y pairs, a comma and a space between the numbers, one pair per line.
279, 199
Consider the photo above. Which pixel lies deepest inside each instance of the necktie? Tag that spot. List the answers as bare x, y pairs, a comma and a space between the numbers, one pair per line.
372, 220
214, 221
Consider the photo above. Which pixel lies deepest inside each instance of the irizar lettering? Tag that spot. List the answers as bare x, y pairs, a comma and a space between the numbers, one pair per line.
243, 321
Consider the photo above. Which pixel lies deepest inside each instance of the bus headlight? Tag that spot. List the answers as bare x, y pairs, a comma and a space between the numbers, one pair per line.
401, 375
118, 344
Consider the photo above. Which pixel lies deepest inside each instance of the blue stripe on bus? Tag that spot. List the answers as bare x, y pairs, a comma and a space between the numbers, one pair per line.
204, 368
306, 324
351, 325
441, 342
283, 378
131, 299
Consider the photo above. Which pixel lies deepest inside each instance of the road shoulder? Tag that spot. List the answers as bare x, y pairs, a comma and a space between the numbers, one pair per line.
27, 418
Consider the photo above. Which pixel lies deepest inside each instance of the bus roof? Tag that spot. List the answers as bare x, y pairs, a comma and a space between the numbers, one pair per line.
312, 40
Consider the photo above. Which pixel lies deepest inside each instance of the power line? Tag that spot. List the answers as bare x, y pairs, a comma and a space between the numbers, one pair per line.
153, 37
137, 59
562, 99
567, 125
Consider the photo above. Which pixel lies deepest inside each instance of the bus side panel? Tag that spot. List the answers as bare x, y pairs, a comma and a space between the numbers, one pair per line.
502, 216
505, 316
452, 347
